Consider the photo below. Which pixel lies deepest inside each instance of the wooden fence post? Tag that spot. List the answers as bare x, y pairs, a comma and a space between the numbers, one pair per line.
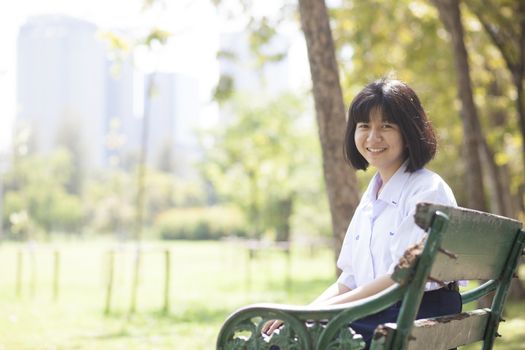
167, 281
109, 286
288, 277
56, 274
135, 282
32, 286
251, 256
19, 272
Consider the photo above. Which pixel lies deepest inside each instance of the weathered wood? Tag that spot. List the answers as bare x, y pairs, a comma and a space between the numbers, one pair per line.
448, 332
439, 333
480, 242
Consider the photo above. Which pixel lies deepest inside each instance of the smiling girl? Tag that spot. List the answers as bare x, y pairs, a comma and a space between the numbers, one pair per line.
387, 129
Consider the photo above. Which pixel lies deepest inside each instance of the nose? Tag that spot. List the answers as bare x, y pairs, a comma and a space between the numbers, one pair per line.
373, 134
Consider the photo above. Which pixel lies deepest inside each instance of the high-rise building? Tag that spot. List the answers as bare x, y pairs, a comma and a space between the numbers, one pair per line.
62, 85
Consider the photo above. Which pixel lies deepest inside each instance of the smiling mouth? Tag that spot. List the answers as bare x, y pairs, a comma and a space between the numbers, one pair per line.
375, 150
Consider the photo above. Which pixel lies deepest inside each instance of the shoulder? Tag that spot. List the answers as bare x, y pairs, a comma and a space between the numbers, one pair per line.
425, 177
425, 184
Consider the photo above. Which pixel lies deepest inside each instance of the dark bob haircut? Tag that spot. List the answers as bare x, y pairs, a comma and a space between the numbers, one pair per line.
400, 105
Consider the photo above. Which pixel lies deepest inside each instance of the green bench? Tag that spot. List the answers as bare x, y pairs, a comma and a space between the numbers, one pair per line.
462, 244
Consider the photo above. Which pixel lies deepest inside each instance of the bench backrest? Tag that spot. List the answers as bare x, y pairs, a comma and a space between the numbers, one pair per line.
478, 244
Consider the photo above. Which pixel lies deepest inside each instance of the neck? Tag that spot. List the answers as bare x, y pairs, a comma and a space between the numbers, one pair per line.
386, 174
385, 177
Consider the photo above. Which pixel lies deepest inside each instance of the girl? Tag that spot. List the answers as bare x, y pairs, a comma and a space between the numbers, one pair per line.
388, 129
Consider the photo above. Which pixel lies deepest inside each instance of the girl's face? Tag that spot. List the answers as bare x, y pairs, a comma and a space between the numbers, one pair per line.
381, 144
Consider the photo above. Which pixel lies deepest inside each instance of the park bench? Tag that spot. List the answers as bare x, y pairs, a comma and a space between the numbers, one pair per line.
461, 244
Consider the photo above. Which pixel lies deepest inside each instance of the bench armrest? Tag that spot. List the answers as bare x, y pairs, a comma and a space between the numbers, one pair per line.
308, 327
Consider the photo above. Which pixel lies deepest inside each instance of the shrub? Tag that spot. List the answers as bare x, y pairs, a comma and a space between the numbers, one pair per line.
208, 223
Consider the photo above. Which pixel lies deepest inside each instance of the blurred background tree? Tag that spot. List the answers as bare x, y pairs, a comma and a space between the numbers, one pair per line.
36, 193
265, 160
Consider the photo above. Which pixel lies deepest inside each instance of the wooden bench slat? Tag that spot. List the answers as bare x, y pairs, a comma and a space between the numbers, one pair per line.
468, 267
449, 331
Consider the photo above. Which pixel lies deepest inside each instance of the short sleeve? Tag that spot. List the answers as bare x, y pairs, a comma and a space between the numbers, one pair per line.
344, 261
347, 278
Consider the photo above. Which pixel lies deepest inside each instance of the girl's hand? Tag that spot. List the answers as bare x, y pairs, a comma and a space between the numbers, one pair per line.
270, 326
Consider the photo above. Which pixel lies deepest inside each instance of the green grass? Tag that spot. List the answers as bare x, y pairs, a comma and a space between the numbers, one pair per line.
209, 281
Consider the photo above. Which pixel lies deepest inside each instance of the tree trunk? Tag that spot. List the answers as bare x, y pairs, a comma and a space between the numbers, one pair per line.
519, 75
450, 15
499, 196
510, 41
284, 208
520, 106
340, 179
501, 206
500, 176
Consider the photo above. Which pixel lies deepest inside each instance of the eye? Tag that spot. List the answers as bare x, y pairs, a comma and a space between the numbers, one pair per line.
387, 126
362, 125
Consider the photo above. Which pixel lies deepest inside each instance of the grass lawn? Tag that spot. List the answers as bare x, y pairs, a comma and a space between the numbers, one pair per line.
208, 281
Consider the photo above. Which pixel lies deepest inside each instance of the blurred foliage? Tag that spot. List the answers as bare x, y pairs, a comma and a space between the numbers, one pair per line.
157, 36
115, 41
35, 196
265, 158
111, 197
109, 202
261, 33
224, 89
37, 199
499, 18
200, 223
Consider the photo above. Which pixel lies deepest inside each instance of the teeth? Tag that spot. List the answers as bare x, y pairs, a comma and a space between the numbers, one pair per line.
374, 150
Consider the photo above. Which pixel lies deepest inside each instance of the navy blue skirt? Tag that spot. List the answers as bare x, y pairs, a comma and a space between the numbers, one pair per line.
434, 303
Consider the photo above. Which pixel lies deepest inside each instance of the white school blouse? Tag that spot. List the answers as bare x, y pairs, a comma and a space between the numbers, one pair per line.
382, 228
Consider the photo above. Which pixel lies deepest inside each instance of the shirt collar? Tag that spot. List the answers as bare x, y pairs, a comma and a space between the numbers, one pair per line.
392, 190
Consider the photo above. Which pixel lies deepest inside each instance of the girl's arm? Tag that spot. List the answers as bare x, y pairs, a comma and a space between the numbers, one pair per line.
369, 289
338, 293
333, 291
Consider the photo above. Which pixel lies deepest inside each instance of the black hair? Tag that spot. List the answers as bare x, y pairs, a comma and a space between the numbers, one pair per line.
398, 104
